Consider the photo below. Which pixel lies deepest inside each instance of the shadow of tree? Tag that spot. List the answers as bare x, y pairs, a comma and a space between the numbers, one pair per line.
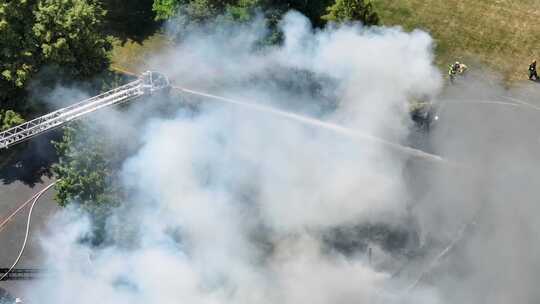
130, 19
30, 161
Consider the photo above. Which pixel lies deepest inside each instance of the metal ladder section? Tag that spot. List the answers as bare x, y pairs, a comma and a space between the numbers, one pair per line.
147, 83
21, 274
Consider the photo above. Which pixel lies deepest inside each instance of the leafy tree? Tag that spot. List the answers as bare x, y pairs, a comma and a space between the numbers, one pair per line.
9, 118
18, 46
319, 12
87, 170
166, 9
242, 10
63, 35
352, 10
200, 11
205, 14
70, 35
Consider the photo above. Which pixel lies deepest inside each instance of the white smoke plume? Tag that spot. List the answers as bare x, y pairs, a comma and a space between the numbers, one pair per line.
230, 205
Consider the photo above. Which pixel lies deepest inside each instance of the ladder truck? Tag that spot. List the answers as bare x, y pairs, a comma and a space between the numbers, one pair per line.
146, 84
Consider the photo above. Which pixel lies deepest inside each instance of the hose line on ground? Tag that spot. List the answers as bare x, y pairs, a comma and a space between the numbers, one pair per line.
35, 198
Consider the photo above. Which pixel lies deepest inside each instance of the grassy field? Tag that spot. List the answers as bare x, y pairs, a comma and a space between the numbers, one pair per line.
502, 34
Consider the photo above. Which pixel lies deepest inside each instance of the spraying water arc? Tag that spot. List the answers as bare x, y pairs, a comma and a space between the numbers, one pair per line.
321, 124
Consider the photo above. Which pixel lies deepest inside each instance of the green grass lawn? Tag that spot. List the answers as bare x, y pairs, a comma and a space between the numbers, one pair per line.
502, 34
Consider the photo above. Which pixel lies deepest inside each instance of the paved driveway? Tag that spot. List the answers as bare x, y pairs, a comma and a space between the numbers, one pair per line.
25, 174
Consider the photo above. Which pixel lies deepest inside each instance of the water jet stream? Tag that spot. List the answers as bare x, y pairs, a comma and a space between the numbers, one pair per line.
523, 103
318, 123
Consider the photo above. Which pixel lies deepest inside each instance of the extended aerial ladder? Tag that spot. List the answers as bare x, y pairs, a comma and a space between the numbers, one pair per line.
148, 83
21, 274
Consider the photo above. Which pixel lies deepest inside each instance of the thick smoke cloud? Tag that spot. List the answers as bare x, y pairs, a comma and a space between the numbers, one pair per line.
231, 205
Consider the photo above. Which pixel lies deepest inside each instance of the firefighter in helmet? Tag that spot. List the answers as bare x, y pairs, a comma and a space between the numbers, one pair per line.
532, 71
455, 69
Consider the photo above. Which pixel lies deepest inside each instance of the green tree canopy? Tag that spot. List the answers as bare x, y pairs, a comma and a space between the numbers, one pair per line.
319, 12
18, 46
199, 11
165, 9
203, 10
63, 34
87, 170
9, 118
352, 10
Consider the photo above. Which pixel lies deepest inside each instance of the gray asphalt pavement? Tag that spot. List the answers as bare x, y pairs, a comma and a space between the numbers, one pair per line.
11, 238
23, 174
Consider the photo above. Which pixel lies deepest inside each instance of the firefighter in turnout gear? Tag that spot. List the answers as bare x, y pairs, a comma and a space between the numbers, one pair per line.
532, 71
456, 69
423, 114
